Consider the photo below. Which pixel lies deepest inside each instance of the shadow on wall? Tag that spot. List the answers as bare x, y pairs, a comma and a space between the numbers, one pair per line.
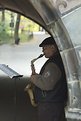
14, 101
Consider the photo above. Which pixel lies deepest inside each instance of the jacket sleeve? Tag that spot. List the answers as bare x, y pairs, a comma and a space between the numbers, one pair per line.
48, 79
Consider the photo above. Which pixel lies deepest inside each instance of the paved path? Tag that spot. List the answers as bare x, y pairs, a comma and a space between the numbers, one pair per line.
19, 57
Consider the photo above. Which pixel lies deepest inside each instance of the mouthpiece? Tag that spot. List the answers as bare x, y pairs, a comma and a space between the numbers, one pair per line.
41, 55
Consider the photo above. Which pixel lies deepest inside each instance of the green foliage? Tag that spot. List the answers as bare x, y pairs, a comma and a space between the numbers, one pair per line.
26, 36
28, 25
4, 37
26, 28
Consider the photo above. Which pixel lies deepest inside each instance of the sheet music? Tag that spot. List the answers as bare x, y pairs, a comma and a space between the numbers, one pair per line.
10, 72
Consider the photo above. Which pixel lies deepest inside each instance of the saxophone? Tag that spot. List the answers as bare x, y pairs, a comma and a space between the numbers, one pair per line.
29, 87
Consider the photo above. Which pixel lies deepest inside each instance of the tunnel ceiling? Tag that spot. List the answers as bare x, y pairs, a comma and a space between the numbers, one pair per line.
42, 12
23, 7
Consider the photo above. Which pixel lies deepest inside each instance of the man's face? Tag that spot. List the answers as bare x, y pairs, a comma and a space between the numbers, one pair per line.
49, 50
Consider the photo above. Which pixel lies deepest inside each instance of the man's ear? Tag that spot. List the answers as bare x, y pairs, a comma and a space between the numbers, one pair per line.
53, 48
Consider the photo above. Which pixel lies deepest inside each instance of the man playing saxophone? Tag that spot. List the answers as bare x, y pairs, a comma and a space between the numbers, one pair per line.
50, 84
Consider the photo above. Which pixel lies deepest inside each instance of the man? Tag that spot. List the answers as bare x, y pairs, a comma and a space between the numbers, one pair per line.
50, 84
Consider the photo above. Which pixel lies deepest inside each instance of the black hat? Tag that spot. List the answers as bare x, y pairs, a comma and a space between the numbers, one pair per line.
48, 41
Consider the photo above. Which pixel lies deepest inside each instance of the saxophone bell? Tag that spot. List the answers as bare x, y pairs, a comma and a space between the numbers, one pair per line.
29, 90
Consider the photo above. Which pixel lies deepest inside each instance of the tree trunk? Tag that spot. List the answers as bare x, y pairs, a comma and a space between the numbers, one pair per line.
3, 15
16, 32
3, 20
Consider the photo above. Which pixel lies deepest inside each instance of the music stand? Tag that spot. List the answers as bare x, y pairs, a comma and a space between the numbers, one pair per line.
10, 72
13, 75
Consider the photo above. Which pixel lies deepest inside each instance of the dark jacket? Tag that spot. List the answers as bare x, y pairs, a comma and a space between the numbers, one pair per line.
59, 92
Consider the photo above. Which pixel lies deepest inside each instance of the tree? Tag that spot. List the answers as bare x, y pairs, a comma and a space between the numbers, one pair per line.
3, 20
16, 31
3, 15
